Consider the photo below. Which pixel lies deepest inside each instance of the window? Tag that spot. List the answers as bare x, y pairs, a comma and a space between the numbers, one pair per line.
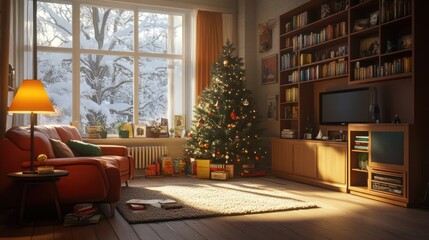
104, 63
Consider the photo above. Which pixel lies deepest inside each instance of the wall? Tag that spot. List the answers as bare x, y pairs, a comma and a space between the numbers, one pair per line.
263, 10
226, 6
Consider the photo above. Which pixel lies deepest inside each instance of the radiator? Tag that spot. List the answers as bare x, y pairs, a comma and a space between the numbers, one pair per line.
145, 155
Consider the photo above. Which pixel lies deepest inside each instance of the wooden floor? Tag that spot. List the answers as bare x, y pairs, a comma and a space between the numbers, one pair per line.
339, 216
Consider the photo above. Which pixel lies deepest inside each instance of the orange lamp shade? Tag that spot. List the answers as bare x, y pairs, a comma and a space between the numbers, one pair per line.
31, 98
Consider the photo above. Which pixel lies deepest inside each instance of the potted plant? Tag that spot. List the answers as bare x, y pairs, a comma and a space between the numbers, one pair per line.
155, 128
103, 128
121, 131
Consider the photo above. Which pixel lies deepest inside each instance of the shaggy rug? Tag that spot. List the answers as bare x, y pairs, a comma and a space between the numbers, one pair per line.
205, 198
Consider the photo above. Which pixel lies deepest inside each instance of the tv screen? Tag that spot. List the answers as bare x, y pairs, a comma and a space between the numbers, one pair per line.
344, 106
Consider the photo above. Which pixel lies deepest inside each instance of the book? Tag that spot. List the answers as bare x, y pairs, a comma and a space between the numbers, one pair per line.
71, 219
86, 211
45, 169
170, 205
82, 206
152, 202
137, 206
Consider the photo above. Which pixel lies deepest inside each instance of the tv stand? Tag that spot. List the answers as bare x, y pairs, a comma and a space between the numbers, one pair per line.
315, 162
385, 177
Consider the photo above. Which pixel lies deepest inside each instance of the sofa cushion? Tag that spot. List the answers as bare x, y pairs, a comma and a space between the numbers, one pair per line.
61, 150
67, 132
83, 148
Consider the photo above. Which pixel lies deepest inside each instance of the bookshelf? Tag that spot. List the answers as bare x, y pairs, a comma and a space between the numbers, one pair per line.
380, 40
384, 47
313, 47
384, 174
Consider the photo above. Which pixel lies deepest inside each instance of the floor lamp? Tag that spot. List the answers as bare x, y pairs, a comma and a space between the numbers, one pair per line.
31, 98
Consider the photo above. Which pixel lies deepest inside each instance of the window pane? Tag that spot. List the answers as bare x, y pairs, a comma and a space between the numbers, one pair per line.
160, 33
153, 89
55, 71
178, 88
106, 89
106, 29
54, 25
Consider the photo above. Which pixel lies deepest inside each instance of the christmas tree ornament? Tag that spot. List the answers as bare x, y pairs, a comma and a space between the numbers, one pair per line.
201, 121
225, 62
206, 145
233, 115
226, 156
246, 102
256, 157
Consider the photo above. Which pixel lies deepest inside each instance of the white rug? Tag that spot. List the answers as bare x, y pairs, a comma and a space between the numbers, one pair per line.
205, 198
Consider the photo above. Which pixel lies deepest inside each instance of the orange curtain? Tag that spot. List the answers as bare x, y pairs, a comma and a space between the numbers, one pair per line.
209, 46
4, 62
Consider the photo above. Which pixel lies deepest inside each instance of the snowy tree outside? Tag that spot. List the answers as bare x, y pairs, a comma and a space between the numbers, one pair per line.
111, 65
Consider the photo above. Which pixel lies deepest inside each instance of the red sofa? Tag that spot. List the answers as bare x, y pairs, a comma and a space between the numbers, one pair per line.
96, 179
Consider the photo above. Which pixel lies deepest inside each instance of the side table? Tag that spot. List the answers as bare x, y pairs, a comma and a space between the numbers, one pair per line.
48, 178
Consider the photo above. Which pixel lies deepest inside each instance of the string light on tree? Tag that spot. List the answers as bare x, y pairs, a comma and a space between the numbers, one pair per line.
225, 128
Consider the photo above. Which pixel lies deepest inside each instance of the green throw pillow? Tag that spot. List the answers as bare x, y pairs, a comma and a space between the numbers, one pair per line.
83, 148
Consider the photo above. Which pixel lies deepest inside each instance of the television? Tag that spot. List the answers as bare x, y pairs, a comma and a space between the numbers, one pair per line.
345, 106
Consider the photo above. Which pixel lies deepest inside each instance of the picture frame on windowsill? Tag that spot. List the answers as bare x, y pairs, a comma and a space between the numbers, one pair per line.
140, 130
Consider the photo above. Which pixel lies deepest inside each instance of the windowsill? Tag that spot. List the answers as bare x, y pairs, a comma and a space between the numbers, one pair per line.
135, 141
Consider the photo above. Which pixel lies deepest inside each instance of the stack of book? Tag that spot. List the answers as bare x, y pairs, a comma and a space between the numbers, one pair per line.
83, 214
288, 133
361, 142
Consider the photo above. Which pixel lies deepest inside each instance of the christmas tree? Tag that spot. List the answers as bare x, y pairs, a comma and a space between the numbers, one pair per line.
224, 126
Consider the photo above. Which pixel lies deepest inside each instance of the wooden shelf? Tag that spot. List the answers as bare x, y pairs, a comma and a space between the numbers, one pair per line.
318, 24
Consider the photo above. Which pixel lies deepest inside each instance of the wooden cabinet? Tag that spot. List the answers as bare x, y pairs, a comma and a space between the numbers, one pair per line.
304, 159
331, 164
314, 162
385, 149
282, 156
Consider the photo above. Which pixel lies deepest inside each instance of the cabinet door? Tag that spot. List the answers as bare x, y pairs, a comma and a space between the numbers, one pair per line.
331, 163
304, 159
282, 157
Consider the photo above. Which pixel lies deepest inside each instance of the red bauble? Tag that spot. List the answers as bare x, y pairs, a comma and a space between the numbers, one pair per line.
211, 113
206, 145
190, 135
201, 121
256, 158
233, 116
218, 152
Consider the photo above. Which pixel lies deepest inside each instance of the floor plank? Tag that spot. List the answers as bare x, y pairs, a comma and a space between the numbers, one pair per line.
338, 216
204, 230
144, 231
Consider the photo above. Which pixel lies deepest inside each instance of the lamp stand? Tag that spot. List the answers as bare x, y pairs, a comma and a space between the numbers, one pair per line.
32, 120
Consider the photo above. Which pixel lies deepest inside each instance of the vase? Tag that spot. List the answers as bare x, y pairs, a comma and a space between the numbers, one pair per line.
103, 134
124, 133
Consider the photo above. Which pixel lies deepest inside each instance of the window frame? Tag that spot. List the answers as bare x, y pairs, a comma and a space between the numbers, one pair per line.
76, 52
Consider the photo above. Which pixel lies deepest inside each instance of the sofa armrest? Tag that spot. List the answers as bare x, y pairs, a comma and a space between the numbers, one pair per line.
87, 180
113, 150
